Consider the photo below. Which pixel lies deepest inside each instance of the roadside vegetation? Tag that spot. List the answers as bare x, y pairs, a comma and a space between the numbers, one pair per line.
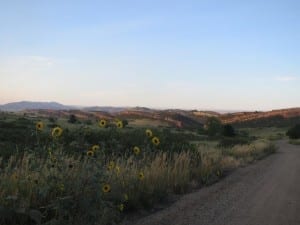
97, 172
294, 134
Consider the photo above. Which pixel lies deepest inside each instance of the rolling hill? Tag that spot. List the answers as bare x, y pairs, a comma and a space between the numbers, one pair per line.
173, 117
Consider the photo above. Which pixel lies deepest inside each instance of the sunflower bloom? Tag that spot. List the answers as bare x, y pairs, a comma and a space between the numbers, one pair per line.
95, 148
111, 165
119, 124
90, 153
136, 150
102, 123
141, 176
121, 207
155, 141
149, 133
56, 132
106, 188
39, 126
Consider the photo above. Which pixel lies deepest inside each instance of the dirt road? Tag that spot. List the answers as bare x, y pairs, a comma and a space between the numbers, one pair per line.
264, 193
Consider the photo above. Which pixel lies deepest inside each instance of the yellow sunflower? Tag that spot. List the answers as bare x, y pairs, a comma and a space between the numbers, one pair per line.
56, 132
111, 165
119, 124
95, 148
136, 150
155, 141
39, 126
90, 153
106, 188
141, 176
102, 123
149, 133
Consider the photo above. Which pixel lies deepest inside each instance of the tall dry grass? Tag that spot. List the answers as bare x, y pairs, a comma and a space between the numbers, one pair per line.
69, 189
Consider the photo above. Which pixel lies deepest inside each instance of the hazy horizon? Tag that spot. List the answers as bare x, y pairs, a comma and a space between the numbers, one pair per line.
212, 55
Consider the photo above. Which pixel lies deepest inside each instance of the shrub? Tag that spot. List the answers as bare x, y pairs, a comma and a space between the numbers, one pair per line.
295, 141
228, 131
72, 119
125, 123
294, 132
52, 119
213, 126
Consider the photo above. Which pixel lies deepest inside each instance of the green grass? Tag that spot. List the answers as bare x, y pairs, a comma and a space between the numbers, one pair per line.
270, 133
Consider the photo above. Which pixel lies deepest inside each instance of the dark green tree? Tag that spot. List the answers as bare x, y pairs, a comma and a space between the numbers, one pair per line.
228, 131
52, 119
72, 119
125, 123
213, 126
294, 132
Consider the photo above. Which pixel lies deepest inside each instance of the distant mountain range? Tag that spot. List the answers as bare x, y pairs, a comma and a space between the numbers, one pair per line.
24, 105
28, 105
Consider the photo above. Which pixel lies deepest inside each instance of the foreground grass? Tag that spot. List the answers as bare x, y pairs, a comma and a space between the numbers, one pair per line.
61, 188
93, 175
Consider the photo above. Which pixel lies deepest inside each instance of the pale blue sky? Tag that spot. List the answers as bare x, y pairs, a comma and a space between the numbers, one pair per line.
240, 55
